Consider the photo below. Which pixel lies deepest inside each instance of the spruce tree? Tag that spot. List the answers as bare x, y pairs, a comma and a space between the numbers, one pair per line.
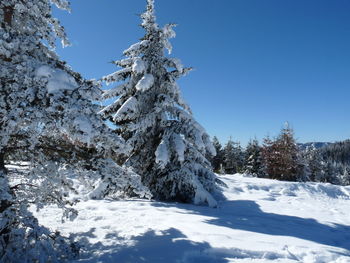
218, 160
229, 157
48, 119
281, 156
239, 156
253, 162
169, 147
345, 177
315, 164
24, 24
233, 156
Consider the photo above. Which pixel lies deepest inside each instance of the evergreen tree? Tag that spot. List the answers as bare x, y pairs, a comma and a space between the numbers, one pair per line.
253, 162
281, 157
229, 157
315, 164
169, 147
239, 157
345, 178
47, 117
218, 160
233, 157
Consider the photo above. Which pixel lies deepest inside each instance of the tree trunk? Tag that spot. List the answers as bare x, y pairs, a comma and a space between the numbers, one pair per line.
8, 14
2, 161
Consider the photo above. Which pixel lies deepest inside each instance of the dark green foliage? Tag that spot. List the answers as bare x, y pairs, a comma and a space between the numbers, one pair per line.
253, 159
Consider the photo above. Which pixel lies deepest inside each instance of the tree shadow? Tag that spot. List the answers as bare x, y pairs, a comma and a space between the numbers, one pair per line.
169, 246
247, 215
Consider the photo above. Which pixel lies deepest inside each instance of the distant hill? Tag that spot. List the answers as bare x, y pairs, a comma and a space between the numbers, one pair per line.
317, 145
338, 152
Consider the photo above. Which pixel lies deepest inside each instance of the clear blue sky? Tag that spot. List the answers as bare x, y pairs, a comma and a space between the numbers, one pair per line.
258, 63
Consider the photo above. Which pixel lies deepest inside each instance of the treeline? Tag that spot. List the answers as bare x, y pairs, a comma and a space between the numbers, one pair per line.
282, 158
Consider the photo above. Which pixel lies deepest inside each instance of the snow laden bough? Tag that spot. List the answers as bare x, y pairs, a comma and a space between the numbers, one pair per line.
94, 142
22, 239
48, 118
169, 149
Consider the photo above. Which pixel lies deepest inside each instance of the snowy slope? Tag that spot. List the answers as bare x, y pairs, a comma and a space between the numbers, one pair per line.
261, 221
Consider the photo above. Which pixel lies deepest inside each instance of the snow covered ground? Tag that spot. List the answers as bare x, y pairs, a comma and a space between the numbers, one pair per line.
261, 221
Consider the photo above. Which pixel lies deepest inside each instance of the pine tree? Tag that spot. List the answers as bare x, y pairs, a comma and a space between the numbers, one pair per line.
169, 147
253, 162
315, 164
233, 157
229, 157
345, 178
281, 157
48, 118
218, 160
22, 110
239, 156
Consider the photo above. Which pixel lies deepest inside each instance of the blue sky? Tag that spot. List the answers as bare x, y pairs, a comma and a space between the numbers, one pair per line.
258, 63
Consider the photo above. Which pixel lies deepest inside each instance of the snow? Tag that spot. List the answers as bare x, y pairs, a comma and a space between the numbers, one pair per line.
261, 220
127, 108
202, 196
58, 80
139, 66
162, 154
145, 83
177, 63
83, 124
136, 47
168, 31
180, 147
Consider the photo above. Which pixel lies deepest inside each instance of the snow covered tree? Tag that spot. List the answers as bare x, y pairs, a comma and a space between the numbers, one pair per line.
253, 159
233, 157
47, 118
169, 147
281, 157
268, 156
239, 157
345, 177
217, 160
315, 164
229, 163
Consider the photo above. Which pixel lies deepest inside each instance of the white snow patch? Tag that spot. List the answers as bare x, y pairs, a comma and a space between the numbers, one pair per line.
139, 66
178, 64
162, 154
180, 147
127, 108
145, 83
57, 79
261, 220
136, 47
203, 197
84, 124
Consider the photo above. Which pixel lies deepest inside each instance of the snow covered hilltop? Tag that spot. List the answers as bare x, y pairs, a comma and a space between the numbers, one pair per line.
261, 220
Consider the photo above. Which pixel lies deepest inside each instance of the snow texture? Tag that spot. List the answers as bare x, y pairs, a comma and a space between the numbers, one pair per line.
261, 220
58, 80
180, 147
129, 105
145, 83
139, 66
162, 154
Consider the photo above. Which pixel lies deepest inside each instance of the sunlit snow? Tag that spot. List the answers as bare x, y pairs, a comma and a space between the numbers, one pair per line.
261, 220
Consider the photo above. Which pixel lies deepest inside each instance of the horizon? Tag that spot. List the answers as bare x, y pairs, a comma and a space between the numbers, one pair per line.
257, 64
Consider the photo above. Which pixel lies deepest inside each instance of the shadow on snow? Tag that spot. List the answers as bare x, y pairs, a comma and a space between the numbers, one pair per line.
247, 215
164, 246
